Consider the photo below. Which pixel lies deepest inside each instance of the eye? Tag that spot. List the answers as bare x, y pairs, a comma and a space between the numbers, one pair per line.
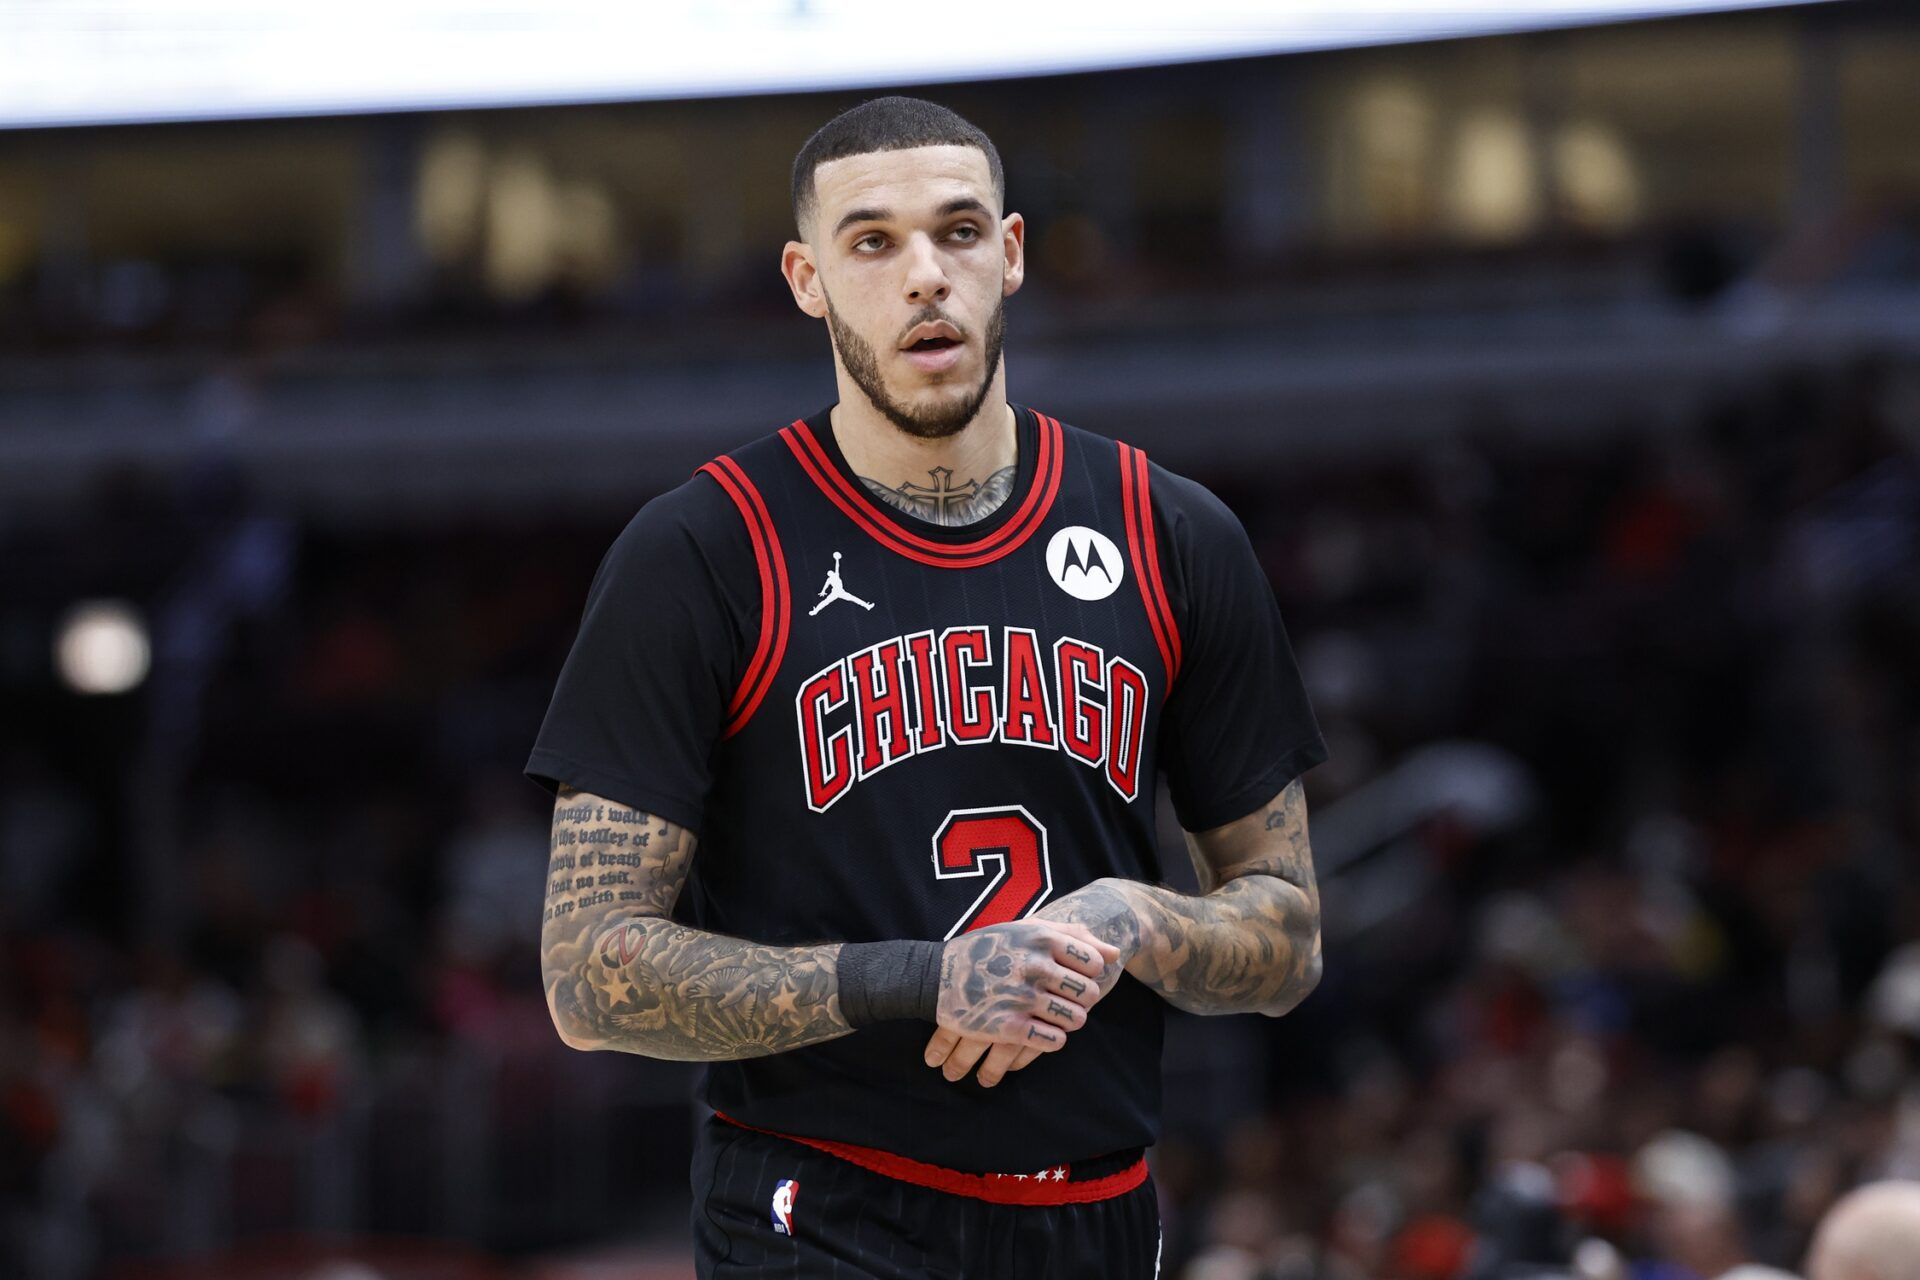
973, 232
871, 235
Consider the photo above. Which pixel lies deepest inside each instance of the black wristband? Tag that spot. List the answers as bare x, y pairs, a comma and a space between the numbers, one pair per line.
881, 981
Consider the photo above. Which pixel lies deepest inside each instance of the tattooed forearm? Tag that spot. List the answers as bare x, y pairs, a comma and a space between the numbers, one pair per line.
1285, 821
653, 987
620, 975
1250, 942
1250, 946
945, 500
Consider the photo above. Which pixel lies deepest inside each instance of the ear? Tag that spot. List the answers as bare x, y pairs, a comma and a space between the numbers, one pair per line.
803, 278
1013, 239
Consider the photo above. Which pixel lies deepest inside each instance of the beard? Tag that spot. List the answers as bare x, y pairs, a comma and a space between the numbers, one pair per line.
937, 423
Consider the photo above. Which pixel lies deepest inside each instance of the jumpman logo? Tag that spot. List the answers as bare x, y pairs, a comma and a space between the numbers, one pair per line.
835, 590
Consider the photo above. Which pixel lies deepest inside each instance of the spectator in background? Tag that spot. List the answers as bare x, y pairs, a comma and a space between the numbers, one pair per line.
1872, 1233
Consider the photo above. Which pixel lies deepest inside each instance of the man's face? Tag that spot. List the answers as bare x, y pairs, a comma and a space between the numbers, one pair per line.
903, 239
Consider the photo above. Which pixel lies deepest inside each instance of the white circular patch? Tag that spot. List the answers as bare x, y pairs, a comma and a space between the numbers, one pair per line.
1085, 563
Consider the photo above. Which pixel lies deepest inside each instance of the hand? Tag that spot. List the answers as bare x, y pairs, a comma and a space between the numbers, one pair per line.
1097, 912
1021, 985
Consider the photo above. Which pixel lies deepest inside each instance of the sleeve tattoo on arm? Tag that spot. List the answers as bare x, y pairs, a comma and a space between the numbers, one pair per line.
1249, 942
619, 974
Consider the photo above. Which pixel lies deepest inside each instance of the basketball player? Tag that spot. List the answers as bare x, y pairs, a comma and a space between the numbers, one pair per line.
886, 862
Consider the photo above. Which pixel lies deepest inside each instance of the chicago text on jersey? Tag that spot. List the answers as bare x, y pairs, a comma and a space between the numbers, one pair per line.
969, 686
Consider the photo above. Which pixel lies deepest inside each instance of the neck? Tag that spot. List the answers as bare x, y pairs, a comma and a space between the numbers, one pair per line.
903, 470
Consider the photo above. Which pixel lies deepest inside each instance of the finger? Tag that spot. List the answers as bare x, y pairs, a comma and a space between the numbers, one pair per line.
1027, 1055
940, 1046
1105, 952
1108, 952
1080, 951
965, 1055
1077, 987
1053, 982
1061, 1012
998, 1062
1074, 989
1043, 1036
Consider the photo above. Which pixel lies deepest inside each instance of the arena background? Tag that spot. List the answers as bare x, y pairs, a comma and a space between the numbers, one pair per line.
1567, 381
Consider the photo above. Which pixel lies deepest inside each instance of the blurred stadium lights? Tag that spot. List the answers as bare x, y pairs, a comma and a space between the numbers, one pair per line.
102, 648
122, 61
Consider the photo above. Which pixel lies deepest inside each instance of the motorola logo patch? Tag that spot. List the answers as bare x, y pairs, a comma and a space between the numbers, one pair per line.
1085, 563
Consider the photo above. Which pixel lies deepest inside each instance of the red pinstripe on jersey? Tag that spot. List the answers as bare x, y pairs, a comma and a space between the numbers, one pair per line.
1143, 550
1001, 1188
776, 607
859, 506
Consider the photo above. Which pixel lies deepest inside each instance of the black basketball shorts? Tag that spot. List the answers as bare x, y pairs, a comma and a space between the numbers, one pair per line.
766, 1204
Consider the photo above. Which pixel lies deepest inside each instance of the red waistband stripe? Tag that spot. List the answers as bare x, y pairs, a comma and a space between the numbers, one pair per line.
1055, 1185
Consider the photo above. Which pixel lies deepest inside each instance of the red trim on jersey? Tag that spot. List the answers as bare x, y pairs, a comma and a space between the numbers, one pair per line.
1000, 1188
1136, 511
1152, 552
860, 507
775, 603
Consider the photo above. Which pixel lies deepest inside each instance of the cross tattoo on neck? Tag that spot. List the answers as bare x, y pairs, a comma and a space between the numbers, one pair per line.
942, 494
943, 501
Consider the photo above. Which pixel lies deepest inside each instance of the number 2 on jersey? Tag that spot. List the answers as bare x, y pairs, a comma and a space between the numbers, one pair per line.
1009, 838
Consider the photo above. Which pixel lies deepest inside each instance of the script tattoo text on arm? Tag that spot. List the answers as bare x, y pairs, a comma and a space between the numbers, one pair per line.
619, 974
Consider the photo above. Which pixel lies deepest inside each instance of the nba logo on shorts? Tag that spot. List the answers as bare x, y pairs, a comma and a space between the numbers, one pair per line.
783, 1196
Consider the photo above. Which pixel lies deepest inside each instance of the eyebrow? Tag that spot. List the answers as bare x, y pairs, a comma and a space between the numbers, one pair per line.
962, 204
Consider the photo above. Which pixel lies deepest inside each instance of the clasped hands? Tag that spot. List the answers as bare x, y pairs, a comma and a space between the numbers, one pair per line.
1011, 992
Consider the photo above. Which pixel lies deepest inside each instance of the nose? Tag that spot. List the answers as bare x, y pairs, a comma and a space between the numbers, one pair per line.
926, 281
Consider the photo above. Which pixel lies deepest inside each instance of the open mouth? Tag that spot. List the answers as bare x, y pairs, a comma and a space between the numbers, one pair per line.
935, 355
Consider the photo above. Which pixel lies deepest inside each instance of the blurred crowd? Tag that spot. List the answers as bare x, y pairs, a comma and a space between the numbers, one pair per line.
1648, 1027
1657, 1026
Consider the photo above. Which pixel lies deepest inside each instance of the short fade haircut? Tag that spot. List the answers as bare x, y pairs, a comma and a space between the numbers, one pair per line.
893, 123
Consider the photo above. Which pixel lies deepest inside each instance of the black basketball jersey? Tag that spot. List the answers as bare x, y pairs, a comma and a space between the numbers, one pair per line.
885, 728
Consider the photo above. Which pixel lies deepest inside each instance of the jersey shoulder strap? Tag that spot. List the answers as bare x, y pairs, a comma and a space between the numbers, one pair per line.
734, 472
1144, 554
